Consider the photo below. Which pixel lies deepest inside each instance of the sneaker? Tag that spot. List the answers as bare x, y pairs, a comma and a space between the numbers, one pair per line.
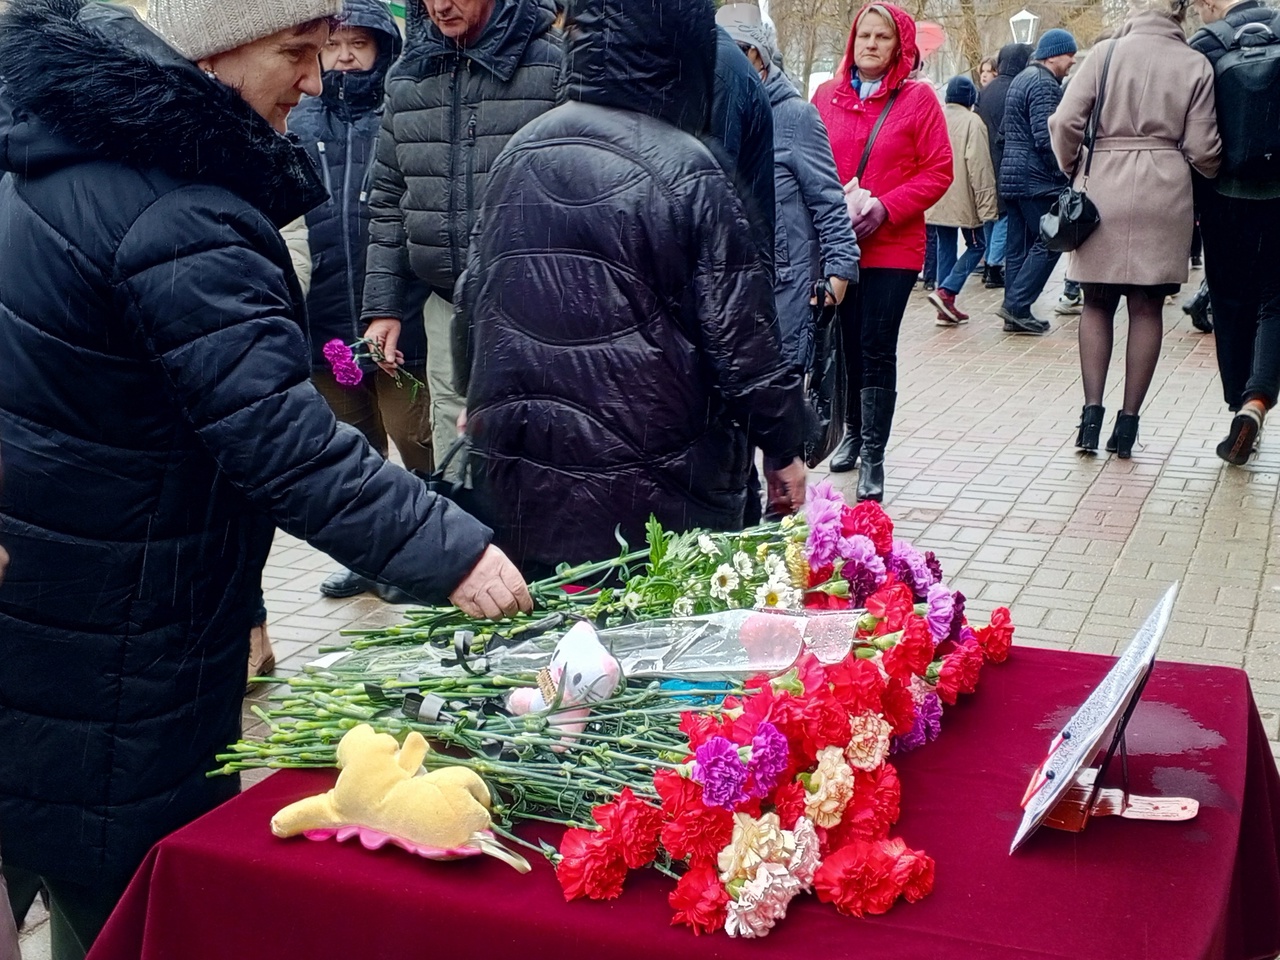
1241, 441
1069, 306
1031, 324
345, 583
1197, 263
930, 286
949, 315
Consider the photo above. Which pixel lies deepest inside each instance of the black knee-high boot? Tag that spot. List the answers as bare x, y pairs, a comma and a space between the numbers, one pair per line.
845, 457
877, 421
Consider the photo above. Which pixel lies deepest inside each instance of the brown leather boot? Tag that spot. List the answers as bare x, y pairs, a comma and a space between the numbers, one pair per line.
262, 660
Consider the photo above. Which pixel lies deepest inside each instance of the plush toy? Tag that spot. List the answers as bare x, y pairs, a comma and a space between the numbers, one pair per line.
581, 672
442, 814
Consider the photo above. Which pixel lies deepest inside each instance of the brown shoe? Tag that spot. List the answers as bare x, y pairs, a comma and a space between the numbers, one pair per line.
262, 660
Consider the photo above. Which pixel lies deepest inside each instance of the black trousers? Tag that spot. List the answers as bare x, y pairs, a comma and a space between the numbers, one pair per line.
1027, 261
1242, 265
870, 319
77, 911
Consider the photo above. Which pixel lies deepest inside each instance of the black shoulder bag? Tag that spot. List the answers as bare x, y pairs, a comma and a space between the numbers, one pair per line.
826, 386
1073, 217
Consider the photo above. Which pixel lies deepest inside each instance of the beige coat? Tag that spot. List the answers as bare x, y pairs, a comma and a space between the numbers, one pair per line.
970, 201
1157, 117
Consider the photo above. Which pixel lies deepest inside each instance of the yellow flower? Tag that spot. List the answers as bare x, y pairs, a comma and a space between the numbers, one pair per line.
797, 566
754, 842
830, 788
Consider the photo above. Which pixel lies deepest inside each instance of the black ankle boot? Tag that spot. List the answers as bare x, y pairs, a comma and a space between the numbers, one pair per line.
995, 278
1126, 433
1200, 310
877, 421
1090, 427
846, 456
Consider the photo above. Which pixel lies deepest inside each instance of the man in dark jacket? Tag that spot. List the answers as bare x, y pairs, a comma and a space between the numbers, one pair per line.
1030, 178
1010, 62
657, 364
159, 421
473, 73
1240, 222
339, 129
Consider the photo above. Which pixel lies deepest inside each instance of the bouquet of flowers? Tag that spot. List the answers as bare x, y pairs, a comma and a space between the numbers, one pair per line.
746, 795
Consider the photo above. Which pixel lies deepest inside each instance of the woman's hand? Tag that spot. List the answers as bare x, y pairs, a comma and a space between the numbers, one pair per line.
870, 220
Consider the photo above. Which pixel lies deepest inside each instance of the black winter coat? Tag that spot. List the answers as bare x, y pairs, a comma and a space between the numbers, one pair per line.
1028, 167
1012, 61
158, 423
339, 129
449, 112
623, 332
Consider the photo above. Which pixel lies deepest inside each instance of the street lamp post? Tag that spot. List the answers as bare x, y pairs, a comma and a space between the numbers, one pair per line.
1023, 24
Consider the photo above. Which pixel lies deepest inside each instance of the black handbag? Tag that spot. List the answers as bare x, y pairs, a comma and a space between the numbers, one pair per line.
1073, 217
454, 490
825, 385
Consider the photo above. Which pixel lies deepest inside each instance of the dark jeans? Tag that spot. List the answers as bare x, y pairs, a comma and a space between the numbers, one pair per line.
77, 912
931, 254
1241, 256
1027, 261
870, 318
953, 271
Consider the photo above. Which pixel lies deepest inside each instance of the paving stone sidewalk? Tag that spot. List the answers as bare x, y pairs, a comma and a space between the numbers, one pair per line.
982, 470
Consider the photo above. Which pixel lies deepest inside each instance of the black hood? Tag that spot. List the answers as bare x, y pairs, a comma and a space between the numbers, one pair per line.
500, 48
91, 82
656, 57
359, 91
1013, 59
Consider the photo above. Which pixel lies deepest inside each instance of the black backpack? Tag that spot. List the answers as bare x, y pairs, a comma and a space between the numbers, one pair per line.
1247, 91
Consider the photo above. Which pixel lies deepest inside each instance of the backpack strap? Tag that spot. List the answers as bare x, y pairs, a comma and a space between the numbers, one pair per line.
1223, 32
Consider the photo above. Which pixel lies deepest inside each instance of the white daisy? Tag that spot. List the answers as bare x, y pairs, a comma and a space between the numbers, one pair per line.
708, 546
632, 601
682, 607
724, 582
742, 563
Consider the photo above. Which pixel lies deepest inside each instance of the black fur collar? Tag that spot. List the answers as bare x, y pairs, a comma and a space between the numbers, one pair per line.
101, 80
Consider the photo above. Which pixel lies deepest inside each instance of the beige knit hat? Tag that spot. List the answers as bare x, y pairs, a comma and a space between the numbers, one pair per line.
200, 28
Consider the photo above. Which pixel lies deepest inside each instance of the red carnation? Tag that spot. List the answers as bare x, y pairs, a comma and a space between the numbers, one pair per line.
826, 723
784, 711
590, 865
858, 684
699, 900
633, 826
869, 519
913, 870
693, 829
959, 671
996, 639
701, 727
788, 802
821, 575
858, 879
875, 807
891, 605
817, 600
899, 707
913, 653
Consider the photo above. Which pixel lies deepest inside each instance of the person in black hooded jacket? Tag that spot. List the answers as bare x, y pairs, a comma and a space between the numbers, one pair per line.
159, 421
624, 345
339, 129
1011, 61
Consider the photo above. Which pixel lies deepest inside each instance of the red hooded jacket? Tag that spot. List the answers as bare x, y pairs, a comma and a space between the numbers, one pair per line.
910, 165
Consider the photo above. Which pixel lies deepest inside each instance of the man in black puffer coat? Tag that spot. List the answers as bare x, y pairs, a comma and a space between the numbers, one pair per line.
453, 101
158, 423
1010, 62
624, 343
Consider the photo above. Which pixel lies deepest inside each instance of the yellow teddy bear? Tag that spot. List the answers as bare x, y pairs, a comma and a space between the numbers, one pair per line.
446, 809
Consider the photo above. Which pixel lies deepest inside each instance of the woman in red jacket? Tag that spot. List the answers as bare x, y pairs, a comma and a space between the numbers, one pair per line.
907, 170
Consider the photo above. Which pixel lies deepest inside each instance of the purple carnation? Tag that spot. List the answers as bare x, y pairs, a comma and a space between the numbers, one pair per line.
927, 726
862, 583
911, 568
967, 634
957, 617
860, 549
911, 740
721, 772
941, 612
935, 568
343, 363
348, 374
769, 754
822, 513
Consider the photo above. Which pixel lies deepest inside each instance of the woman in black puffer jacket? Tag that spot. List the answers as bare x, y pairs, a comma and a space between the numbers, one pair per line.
621, 323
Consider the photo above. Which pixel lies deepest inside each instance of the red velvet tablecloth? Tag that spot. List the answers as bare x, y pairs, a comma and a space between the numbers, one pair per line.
1209, 888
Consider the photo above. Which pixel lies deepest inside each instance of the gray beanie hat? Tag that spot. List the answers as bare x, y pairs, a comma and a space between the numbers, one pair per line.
200, 28
742, 21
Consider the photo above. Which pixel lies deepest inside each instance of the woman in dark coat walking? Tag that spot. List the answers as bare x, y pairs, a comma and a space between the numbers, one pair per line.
159, 422
622, 324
